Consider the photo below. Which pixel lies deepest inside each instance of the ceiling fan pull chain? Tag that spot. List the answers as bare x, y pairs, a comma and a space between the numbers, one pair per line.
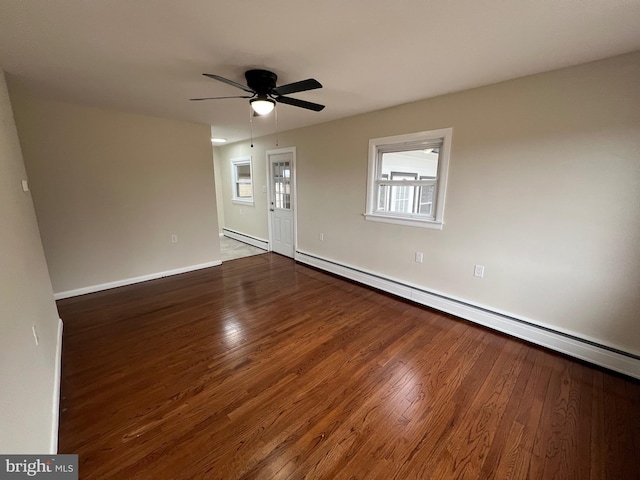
251, 123
276, 115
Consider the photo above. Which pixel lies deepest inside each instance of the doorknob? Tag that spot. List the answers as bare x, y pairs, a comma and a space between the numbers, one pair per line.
271, 209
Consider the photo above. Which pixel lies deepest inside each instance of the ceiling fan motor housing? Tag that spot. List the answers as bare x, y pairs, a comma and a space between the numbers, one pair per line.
261, 81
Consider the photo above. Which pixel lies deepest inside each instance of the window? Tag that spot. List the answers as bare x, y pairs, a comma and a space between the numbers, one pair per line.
408, 178
242, 180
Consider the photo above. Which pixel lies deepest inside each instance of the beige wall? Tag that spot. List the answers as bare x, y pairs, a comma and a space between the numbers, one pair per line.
111, 188
248, 219
27, 372
544, 190
219, 198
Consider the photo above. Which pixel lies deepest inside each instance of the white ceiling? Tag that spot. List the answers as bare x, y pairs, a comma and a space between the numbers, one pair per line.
147, 56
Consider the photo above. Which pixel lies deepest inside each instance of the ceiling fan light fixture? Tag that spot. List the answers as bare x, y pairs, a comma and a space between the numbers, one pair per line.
262, 106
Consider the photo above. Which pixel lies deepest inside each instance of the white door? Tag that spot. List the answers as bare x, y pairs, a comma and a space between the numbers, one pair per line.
281, 200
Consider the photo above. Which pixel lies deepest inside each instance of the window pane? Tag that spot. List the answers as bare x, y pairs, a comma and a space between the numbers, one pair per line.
243, 190
383, 197
426, 200
411, 164
401, 199
243, 172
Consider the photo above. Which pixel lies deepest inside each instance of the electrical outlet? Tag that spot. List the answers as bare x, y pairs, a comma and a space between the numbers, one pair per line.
478, 271
419, 257
174, 238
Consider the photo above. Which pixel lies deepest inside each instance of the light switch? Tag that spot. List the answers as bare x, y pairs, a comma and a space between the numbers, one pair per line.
25, 186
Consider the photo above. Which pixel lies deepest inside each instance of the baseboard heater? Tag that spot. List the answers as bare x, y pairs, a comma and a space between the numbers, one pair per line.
243, 237
525, 329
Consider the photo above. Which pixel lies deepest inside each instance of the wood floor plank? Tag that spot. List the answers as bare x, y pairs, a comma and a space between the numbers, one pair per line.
309, 448
620, 411
509, 463
561, 443
474, 435
401, 408
267, 369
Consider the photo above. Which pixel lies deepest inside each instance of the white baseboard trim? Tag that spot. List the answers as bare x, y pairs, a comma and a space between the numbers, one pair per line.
131, 281
243, 237
57, 379
568, 343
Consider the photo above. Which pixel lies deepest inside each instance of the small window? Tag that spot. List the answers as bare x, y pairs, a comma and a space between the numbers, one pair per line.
242, 180
408, 177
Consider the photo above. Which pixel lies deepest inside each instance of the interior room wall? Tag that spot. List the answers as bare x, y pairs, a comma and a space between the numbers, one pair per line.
247, 219
219, 198
543, 190
29, 383
112, 188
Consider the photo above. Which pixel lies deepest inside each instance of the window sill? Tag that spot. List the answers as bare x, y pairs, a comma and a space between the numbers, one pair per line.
242, 202
411, 222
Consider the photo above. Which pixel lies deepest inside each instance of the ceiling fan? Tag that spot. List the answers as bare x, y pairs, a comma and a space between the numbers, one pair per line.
261, 84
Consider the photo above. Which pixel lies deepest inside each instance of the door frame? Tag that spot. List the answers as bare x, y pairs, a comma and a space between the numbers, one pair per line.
294, 193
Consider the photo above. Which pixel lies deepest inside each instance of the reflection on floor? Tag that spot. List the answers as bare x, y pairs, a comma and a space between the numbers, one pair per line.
230, 249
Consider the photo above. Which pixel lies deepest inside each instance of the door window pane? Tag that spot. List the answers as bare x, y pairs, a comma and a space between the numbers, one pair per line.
282, 185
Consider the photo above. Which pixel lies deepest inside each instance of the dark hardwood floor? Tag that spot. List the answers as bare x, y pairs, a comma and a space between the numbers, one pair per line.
262, 368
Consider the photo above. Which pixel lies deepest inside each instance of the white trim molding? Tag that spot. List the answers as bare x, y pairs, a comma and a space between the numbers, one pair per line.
131, 281
403, 221
244, 238
235, 181
568, 343
57, 379
397, 144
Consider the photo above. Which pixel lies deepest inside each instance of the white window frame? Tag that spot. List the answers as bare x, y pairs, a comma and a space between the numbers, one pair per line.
377, 146
235, 163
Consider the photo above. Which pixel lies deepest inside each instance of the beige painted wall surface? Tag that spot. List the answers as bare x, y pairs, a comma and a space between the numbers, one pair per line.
248, 219
111, 188
27, 371
219, 198
544, 191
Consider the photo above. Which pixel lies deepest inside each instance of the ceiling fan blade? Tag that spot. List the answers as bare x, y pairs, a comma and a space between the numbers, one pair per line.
229, 82
301, 86
219, 98
316, 107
